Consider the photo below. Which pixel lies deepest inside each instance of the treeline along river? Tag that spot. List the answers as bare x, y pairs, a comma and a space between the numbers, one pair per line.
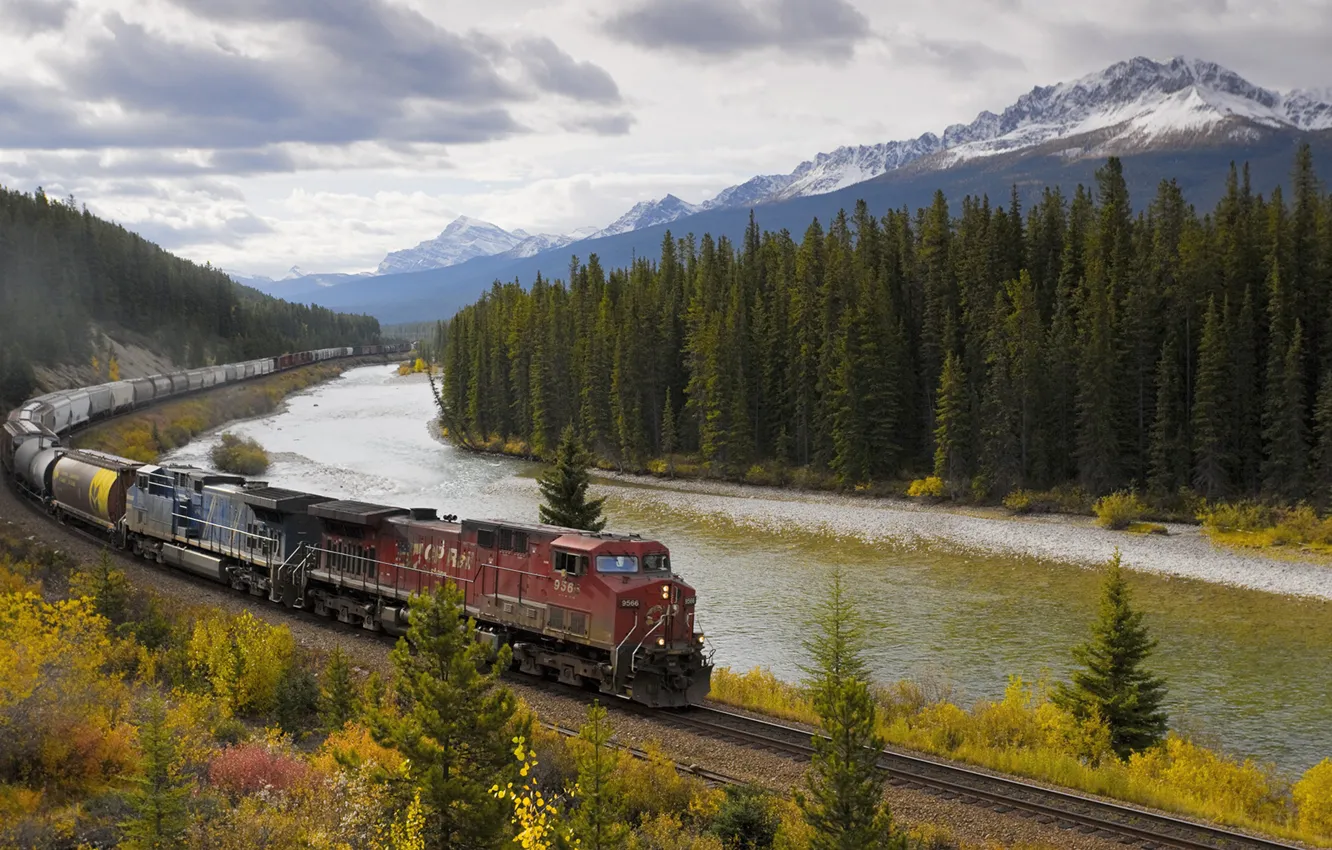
1248, 670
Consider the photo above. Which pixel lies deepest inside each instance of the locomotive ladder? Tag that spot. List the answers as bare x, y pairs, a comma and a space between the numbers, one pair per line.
293, 568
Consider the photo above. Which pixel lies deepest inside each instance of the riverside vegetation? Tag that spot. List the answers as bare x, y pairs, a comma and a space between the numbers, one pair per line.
145, 435
131, 722
239, 455
1071, 350
1102, 733
62, 267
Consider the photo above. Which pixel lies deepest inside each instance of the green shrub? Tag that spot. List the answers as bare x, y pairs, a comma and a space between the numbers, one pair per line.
1021, 501
1146, 528
1236, 516
926, 488
239, 456
768, 475
1118, 510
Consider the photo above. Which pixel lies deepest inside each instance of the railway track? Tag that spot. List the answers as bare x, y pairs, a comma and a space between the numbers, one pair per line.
1003, 795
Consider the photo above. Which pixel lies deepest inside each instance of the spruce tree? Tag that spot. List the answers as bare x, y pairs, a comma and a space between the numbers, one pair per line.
843, 796
1113, 684
1170, 439
597, 822
1322, 482
564, 488
1211, 421
159, 795
453, 723
952, 430
337, 698
1285, 433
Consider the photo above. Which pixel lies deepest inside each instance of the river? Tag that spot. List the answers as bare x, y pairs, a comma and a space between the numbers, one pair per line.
963, 600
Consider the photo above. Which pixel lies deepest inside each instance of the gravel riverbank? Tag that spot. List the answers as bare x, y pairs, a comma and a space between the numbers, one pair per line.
973, 824
1184, 552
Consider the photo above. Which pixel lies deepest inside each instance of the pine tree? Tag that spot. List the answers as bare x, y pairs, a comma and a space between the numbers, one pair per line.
338, 698
453, 724
952, 431
1114, 685
1285, 432
843, 798
1098, 449
1322, 482
564, 488
159, 797
597, 820
1210, 419
1170, 438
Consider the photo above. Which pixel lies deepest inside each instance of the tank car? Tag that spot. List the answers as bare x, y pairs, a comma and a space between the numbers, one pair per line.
91, 486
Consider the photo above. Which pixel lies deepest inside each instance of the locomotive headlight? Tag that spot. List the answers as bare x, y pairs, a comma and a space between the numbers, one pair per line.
665, 591
661, 641
701, 638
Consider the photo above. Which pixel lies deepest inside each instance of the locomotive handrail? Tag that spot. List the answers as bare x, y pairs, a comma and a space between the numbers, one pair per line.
633, 661
615, 659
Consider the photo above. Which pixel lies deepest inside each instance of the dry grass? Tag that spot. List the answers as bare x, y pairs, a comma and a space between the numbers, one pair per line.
1025, 734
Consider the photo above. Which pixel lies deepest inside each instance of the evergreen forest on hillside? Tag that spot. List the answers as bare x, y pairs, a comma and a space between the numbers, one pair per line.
62, 268
1079, 342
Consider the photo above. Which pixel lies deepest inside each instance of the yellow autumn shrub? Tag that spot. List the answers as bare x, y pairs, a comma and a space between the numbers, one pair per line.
61, 711
241, 659
1213, 785
1313, 800
352, 747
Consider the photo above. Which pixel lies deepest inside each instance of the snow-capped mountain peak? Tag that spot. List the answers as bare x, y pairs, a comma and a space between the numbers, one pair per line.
649, 213
292, 273
1131, 105
463, 239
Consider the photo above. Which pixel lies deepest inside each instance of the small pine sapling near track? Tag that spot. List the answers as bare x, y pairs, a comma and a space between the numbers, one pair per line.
1113, 683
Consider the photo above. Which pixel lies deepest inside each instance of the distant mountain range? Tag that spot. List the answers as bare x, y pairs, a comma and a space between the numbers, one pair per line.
1174, 115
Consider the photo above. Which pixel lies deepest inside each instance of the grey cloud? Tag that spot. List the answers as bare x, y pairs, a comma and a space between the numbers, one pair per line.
232, 232
355, 71
29, 17
555, 71
959, 58
828, 29
617, 124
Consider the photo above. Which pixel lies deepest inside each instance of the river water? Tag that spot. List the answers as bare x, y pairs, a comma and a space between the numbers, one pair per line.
959, 600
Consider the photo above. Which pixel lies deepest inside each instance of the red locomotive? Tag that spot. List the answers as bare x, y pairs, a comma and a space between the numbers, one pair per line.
600, 610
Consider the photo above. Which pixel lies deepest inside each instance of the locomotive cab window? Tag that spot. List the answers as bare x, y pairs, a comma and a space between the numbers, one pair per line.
617, 563
570, 564
485, 538
660, 563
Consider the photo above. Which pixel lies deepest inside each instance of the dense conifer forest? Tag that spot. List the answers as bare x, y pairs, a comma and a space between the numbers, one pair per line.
62, 268
1078, 342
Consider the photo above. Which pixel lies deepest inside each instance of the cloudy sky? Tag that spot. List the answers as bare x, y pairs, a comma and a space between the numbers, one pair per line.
257, 134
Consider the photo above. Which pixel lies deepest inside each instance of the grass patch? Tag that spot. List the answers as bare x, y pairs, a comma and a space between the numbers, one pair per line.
147, 434
1026, 734
1146, 528
1252, 525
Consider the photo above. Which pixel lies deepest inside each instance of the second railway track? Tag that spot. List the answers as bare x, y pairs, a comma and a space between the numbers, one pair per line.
1066, 810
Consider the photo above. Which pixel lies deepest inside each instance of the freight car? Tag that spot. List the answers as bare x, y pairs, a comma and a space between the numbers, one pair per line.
599, 610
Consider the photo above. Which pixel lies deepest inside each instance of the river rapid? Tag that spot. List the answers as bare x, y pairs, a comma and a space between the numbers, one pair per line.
960, 600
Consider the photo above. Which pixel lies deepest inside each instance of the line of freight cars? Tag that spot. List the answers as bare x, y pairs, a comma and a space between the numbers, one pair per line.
599, 610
